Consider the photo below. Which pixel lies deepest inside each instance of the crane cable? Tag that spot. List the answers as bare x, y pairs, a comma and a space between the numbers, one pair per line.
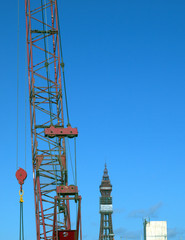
17, 89
62, 65
17, 147
25, 103
21, 230
21, 192
70, 157
75, 161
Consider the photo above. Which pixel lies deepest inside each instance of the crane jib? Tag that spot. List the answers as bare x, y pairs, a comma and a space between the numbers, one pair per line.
54, 198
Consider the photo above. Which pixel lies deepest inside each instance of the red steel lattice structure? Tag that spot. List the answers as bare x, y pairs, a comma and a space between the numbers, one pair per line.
48, 132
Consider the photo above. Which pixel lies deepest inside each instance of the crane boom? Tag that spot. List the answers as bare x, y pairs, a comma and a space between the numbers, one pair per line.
48, 131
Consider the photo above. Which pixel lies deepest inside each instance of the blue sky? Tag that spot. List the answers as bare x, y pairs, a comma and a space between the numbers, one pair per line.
125, 70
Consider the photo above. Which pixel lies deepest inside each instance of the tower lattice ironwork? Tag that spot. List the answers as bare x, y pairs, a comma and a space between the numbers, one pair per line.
106, 210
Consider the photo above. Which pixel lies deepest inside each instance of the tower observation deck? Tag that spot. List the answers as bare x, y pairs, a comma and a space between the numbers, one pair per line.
106, 210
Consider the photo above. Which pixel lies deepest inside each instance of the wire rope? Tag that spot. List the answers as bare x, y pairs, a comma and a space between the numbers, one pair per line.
17, 150
21, 230
68, 121
62, 65
25, 104
18, 47
70, 159
75, 161
75, 172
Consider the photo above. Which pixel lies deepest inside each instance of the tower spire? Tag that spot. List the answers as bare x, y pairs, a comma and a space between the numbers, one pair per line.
105, 174
106, 230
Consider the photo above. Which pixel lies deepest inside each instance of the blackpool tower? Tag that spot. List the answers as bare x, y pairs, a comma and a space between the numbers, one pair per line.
106, 230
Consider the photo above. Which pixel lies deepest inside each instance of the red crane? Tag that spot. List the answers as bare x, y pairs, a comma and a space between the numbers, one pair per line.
52, 193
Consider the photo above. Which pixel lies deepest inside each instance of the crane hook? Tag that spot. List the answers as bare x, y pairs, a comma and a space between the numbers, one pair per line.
21, 193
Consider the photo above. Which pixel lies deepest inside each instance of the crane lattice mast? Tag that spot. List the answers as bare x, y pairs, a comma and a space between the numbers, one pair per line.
52, 194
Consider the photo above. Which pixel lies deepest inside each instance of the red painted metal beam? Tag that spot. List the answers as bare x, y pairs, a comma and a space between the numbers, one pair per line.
67, 190
61, 132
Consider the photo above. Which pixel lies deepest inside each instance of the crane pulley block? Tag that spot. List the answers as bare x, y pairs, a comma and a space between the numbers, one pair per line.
21, 175
67, 190
61, 132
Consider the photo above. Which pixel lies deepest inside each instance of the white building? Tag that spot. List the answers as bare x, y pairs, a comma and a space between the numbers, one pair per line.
155, 230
